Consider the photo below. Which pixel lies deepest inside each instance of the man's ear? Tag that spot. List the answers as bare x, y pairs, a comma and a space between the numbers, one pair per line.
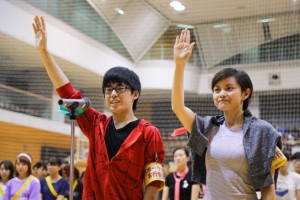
136, 94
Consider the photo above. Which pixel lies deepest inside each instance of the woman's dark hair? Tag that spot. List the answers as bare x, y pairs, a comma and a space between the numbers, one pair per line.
8, 165
241, 78
40, 164
123, 75
287, 155
24, 159
54, 161
186, 151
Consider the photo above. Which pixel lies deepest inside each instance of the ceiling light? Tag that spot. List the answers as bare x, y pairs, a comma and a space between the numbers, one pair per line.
266, 20
119, 11
177, 5
221, 25
185, 26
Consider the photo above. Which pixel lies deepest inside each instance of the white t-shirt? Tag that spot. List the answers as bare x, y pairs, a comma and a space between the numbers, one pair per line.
227, 167
287, 186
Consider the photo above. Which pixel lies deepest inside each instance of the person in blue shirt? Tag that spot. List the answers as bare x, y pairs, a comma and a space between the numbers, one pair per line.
54, 186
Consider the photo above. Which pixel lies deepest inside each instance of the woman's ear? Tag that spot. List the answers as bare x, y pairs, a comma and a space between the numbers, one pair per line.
188, 159
247, 93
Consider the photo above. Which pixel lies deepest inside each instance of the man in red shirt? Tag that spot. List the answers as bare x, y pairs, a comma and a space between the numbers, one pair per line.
125, 153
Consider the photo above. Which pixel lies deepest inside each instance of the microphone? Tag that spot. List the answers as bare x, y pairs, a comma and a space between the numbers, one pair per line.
83, 103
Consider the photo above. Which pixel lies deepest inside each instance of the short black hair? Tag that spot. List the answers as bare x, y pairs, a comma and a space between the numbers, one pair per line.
296, 155
241, 77
287, 155
54, 161
40, 164
122, 75
186, 151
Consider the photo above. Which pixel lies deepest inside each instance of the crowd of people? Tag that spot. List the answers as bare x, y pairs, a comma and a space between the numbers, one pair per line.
48, 180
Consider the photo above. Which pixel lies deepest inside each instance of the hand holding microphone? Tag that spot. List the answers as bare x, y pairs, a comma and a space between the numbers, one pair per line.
83, 103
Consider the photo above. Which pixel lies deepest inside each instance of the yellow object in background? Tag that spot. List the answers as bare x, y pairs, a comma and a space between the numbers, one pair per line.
279, 158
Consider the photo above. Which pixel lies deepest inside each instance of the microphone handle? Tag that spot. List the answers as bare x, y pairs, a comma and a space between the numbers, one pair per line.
83, 103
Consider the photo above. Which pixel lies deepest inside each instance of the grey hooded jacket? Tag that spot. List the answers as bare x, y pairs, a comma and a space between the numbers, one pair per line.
260, 140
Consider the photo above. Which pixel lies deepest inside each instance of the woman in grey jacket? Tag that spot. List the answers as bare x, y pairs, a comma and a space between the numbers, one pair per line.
232, 153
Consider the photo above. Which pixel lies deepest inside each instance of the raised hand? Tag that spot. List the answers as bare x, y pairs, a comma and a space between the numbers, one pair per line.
183, 48
39, 28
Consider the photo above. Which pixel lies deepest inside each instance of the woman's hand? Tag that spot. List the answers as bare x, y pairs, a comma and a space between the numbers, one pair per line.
183, 48
39, 28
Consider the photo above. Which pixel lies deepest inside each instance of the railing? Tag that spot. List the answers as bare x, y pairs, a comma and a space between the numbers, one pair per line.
26, 102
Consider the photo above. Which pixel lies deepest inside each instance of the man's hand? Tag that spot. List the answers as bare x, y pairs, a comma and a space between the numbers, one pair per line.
39, 28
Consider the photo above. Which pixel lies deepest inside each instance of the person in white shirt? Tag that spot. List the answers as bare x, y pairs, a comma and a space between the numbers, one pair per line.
296, 162
288, 183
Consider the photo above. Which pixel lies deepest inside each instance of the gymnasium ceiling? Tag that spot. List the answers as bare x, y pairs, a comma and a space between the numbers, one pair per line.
158, 16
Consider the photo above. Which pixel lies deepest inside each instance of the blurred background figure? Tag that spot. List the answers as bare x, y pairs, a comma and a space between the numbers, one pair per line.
63, 164
288, 183
54, 186
296, 162
82, 177
24, 185
39, 170
7, 171
179, 185
77, 184
166, 169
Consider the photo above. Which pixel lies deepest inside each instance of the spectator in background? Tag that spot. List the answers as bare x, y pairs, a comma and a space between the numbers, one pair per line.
24, 185
63, 164
7, 171
82, 177
39, 170
296, 162
288, 183
179, 184
77, 184
54, 187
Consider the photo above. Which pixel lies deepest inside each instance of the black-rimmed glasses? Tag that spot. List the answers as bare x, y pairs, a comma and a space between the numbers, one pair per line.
118, 89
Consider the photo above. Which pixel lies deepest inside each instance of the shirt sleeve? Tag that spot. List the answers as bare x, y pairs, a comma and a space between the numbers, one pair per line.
154, 145
68, 92
297, 181
87, 120
154, 151
35, 190
168, 179
7, 191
